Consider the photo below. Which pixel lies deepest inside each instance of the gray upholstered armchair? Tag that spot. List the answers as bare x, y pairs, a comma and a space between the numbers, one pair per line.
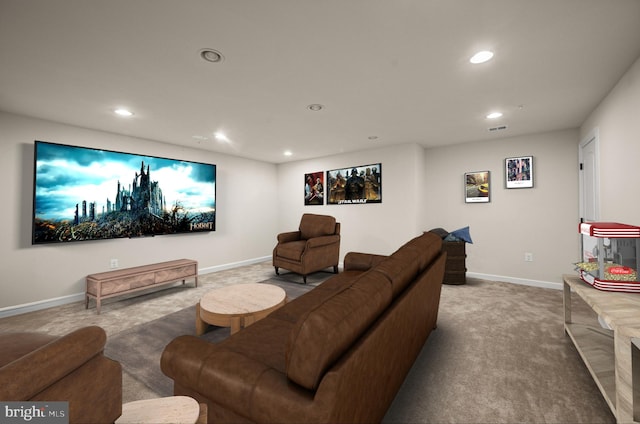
314, 247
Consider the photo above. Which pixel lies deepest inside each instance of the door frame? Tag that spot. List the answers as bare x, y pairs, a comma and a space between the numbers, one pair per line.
592, 136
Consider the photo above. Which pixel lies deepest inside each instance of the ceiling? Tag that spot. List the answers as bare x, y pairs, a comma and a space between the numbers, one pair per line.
396, 70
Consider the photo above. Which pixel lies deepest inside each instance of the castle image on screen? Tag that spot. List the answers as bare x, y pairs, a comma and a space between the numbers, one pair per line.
88, 194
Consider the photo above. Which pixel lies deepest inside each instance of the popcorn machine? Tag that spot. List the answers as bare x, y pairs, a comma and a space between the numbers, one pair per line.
610, 256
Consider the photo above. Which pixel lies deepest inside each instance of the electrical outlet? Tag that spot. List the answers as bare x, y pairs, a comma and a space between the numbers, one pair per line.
114, 263
528, 257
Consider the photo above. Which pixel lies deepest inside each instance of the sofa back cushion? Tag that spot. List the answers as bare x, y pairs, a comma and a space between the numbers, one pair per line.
399, 271
312, 225
326, 332
424, 249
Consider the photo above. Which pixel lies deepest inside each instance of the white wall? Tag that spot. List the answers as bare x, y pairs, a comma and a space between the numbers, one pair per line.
246, 216
375, 228
422, 189
617, 119
542, 220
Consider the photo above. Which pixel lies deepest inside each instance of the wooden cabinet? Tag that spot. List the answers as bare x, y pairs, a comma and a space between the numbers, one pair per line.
611, 355
455, 271
128, 280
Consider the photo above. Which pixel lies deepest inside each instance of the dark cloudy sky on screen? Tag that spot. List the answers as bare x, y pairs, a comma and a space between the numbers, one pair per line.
67, 175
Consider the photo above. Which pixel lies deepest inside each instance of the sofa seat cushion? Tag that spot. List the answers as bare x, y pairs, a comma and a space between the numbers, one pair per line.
291, 250
316, 226
324, 333
263, 341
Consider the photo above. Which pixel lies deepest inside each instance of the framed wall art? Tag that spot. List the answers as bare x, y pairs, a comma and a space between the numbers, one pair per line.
355, 185
518, 172
314, 188
477, 189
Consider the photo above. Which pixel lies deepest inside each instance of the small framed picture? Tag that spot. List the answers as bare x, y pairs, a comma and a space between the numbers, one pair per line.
314, 188
477, 189
518, 172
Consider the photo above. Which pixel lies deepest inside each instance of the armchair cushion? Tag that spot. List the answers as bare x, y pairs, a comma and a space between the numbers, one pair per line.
316, 226
323, 241
291, 250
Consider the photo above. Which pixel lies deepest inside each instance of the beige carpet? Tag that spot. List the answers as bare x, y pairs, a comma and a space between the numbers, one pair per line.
140, 348
499, 354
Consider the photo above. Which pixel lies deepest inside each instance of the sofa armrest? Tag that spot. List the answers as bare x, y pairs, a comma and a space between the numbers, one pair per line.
32, 373
323, 241
289, 236
356, 261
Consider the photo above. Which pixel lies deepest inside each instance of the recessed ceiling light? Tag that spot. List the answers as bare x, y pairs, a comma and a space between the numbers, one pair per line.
211, 55
123, 112
373, 137
220, 136
288, 153
494, 115
481, 57
315, 107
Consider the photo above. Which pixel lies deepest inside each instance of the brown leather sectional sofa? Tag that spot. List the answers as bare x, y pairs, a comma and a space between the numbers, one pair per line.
72, 368
337, 354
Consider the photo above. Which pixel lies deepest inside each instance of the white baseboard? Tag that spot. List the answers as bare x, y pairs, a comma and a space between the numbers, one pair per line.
79, 297
217, 268
514, 280
41, 304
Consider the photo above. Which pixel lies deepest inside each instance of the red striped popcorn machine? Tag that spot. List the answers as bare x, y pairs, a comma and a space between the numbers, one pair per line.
610, 256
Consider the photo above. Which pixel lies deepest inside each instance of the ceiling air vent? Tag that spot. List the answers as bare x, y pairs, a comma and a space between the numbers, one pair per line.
499, 128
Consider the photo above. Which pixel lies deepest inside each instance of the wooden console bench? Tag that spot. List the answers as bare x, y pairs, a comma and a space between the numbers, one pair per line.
128, 280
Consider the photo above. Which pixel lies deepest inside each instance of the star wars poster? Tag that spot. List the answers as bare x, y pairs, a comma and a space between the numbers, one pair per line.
355, 185
314, 188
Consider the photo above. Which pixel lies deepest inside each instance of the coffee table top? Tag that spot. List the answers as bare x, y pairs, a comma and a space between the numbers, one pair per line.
242, 299
172, 409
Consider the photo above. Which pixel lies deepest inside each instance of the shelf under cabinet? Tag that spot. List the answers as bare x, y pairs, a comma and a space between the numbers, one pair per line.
595, 346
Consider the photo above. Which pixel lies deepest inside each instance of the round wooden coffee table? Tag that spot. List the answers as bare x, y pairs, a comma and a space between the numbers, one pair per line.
172, 409
238, 306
